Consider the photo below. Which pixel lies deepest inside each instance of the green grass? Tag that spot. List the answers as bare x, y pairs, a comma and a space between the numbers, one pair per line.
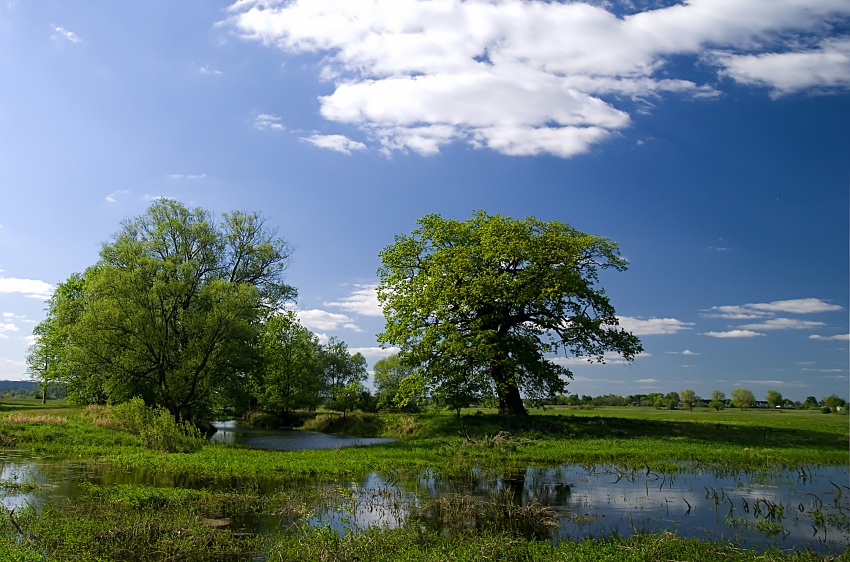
130, 522
629, 437
406, 545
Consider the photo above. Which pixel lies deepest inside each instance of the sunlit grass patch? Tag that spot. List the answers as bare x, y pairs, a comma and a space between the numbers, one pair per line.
19, 417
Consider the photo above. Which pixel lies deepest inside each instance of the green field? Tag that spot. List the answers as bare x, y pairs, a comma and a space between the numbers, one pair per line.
143, 523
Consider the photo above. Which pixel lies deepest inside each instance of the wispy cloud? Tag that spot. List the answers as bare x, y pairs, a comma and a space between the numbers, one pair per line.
32, 288
825, 64
525, 77
733, 334
362, 300
9, 327
684, 352
338, 143
610, 358
186, 176
210, 71
322, 320
762, 310
374, 351
838, 337
113, 197
653, 326
62, 33
267, 122
783, 324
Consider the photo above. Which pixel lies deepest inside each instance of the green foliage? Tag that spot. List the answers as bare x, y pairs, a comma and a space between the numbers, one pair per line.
743, 398
718, 400
292, 363
486, 299
156, 427
398, 387
171, 310
346, 398
358, 423
689, 398
774, 398
834, 403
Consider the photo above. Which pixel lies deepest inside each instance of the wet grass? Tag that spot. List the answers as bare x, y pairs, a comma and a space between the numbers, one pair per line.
410, 545
195, 520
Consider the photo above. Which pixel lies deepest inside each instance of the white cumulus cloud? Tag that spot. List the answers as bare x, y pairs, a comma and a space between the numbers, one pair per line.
362, 300
525, 77
322, 320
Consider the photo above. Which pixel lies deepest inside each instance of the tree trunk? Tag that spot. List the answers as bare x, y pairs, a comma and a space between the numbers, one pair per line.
510, 402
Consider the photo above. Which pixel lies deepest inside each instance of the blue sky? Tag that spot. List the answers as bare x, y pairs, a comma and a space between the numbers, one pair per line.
709, 138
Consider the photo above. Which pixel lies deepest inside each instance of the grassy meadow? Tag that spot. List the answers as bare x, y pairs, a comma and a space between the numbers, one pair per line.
128, 522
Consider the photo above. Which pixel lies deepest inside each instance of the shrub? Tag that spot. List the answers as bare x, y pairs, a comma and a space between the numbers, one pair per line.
156, 427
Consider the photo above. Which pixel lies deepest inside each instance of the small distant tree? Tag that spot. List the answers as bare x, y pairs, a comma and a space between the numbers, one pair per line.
689, 398
743, 398
833, 402
811, 403
347, 398
774, 398
718, 400
671, 400
388, 377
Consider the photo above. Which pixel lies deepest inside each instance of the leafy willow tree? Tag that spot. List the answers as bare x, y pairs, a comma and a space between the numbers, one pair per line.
743, 398
290, 375
47, 360
689, 398
398, 386
774, 398
487, 299
340, 368
172, 310
718, 400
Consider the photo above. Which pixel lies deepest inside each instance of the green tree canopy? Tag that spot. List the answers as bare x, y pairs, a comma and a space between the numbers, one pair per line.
743, 398
774, 398
340, 368
718, 400
689, 398
487, 299
391, 390
292, 363
173, 308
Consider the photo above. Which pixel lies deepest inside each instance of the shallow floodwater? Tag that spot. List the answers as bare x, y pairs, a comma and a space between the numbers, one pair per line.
232, 433
804, 508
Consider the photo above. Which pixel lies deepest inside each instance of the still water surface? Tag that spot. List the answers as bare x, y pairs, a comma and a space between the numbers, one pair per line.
804, 508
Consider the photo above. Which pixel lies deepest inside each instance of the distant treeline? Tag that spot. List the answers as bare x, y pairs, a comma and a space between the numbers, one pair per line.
30, 389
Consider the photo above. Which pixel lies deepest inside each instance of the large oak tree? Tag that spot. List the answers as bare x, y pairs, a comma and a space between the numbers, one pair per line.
490, 299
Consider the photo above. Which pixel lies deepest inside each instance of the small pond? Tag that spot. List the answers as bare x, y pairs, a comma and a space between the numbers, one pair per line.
804, 508
232, 433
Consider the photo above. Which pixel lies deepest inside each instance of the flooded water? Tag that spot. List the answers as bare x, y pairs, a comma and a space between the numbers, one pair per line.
804, 508
232, 433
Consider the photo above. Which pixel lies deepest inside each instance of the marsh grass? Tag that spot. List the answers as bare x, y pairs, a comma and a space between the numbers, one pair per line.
416, 545
458, 514
143, 523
